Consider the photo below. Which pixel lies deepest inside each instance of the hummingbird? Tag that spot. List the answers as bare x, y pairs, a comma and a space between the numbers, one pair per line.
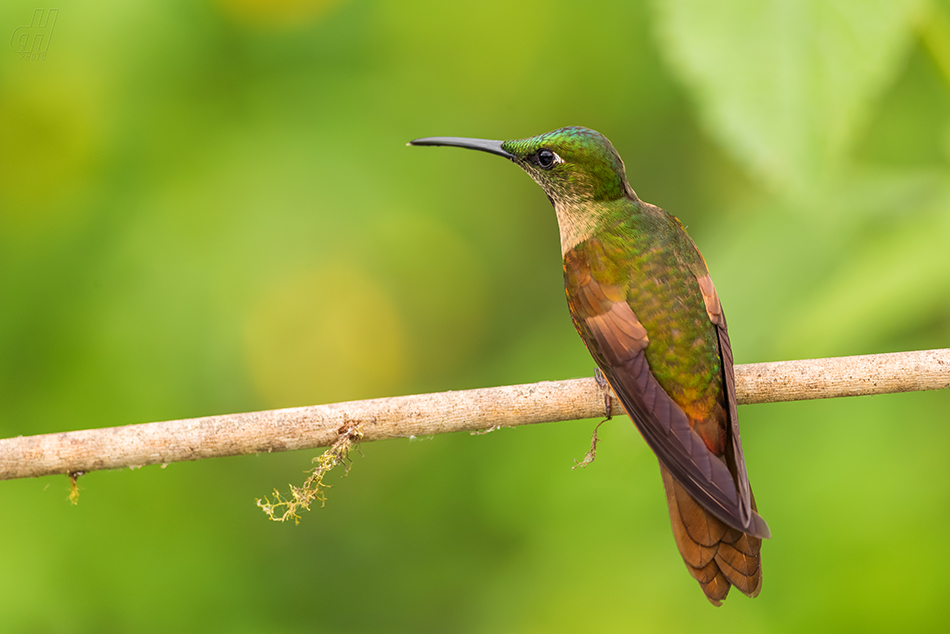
642, 300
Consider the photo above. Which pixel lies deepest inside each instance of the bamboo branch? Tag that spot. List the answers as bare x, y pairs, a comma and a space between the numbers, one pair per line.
133, 446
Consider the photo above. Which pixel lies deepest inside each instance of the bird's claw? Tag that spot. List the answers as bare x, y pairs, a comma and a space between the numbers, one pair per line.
608, 392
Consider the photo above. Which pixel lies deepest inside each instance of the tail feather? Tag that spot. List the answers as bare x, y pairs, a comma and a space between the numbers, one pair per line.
717, 555
712, 581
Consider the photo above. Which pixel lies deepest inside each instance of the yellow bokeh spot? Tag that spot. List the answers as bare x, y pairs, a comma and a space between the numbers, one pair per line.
324, 335
51, 137
277, 14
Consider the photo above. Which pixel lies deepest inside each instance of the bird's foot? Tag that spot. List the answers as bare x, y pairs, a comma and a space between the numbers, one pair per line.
608, 409
607, 390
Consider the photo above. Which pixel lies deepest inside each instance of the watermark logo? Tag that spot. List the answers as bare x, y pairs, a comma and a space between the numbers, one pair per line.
31, 41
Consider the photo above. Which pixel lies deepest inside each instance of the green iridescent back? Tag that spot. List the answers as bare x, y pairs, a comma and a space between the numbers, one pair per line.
645, 250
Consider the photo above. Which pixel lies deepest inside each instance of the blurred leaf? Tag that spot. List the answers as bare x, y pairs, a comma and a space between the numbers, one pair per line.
935, 35
895, 281
784, 85
863, 267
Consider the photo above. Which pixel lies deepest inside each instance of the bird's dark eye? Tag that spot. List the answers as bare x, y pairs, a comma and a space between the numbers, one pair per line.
546, 158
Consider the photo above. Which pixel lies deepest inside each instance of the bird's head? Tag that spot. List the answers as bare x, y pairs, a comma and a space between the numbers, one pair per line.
572, 164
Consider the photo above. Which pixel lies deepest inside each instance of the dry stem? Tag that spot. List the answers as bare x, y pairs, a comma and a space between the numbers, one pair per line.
428, 414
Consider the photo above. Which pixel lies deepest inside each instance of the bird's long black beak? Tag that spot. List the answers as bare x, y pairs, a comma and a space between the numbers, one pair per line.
484, 145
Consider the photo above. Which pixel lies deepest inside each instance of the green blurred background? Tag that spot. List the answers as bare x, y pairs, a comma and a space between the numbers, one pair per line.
208, 207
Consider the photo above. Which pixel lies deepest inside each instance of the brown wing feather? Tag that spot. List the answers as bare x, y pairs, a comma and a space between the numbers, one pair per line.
617, 340
757, 525
718, 318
